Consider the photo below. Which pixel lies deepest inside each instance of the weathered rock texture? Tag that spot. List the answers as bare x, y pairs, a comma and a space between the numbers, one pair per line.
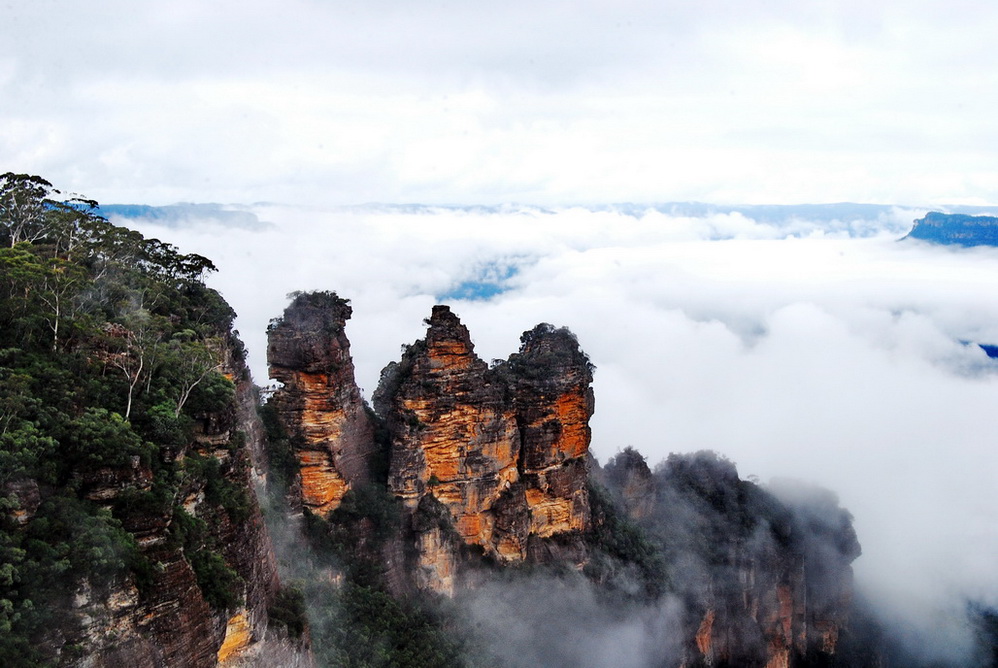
552, 378
170, 622
491, 463
454, 431
503, 450
766, 578
320, 403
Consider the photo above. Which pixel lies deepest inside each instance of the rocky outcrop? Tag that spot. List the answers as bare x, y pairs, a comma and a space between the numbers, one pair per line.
170, 620
954, 228
320, 403
552, 380
491, 464
503, 450
454, 431
764, 573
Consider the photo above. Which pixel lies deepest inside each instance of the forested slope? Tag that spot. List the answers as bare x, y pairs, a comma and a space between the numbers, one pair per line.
129, 532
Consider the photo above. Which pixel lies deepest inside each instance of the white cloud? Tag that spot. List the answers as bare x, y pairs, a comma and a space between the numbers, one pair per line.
482, 102
832, 359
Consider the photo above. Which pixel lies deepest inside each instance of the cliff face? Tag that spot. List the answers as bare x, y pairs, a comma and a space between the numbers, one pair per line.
503, 449
554, 401
765, 574
491, 464
492, 460
958, 229
454, 432
215, 530
320, 402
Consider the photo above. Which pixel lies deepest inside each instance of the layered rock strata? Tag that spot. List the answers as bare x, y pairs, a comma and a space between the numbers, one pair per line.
554, 401
169, 620
454, 431
320, 403
503, 450
487, 458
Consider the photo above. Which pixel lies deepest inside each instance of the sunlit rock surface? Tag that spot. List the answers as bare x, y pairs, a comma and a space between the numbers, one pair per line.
320, 402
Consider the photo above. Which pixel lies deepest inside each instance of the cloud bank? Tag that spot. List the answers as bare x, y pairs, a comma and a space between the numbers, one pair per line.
849, 362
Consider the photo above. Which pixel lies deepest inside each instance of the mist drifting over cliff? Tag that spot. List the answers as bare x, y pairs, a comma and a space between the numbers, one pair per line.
816, 349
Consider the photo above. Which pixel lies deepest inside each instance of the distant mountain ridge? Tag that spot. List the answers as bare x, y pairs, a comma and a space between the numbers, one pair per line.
956, 229
176, 215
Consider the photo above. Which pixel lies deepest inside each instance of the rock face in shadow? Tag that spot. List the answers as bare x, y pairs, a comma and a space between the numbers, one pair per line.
552, 380
172, 618
956, 229
320, 403
764, 574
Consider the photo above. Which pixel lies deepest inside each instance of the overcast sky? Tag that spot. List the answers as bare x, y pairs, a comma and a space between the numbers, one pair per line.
314, 101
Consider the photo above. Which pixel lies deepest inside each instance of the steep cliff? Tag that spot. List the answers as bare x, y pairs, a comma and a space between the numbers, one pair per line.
489, 467
765, 575
503, 450
552, 380
130, 533
213, 575
320, 403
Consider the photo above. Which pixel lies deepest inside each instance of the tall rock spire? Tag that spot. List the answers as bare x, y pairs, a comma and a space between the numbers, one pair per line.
320, 403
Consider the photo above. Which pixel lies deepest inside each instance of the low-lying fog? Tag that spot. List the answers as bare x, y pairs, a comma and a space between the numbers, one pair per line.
825, 351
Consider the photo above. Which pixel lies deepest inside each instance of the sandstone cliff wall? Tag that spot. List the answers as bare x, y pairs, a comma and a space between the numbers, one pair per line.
168, 620
503, 449
491, 463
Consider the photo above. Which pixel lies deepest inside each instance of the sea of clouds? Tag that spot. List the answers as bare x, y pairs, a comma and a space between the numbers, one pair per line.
823, 350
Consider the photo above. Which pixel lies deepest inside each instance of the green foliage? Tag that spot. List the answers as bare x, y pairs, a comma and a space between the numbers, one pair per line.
320, 309
67, 540
280, 452
219, 490
220, 585
372, 504
163, 426
110, 346
365, 626
213, 394
621, 549
288, 611
99, 438
358, 623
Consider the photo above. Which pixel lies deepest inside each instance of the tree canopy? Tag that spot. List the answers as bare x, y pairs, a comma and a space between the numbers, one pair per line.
111, 349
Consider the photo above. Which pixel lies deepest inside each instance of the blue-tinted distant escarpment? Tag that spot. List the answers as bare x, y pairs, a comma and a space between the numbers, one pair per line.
956, 228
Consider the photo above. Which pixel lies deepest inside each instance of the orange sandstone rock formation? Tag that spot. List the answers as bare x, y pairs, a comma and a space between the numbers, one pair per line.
502, 449
320, 402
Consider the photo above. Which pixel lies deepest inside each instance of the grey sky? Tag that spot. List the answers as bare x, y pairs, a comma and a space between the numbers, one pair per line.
472, 102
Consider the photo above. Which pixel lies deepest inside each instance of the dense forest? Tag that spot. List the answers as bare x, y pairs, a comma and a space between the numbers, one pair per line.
110, 346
